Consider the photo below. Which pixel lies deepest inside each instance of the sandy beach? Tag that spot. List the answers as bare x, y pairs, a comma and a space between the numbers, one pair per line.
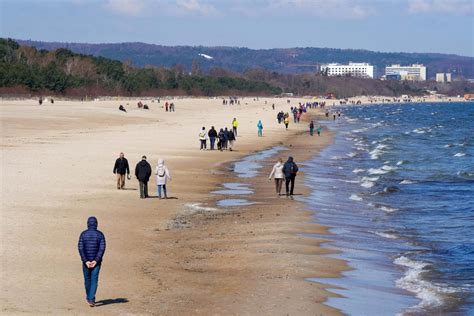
183, 255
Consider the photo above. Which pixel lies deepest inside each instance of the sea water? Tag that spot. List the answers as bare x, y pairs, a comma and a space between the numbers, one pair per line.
397, 188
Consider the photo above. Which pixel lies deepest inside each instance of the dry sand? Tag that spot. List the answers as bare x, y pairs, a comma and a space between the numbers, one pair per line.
163, 256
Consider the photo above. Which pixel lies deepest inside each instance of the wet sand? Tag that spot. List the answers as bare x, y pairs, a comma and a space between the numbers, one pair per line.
163, 256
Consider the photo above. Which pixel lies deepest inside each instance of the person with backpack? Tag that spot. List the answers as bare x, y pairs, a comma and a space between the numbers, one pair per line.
203, 138
260, 128
277, 173
290, 169
91, 248
143, 173
221, 137
162, 177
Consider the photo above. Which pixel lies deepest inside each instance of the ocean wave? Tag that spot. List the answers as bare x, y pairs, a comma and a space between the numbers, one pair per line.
368, 182
388, 209
358, 170
351, 155
429, 293
401, 162
459, 155
377, 171
407, 182
464, 174
355, 197
448, 145
385, 235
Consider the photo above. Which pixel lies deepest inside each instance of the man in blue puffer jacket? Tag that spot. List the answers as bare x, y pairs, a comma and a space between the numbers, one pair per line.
91, 248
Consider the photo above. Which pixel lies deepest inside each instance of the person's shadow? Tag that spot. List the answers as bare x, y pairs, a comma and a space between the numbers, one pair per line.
111, 301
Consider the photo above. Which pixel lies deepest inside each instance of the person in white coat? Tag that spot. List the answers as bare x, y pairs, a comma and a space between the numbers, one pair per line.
277, 173
162, 177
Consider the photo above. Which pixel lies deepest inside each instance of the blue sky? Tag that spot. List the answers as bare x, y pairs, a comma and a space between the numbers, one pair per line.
442, 26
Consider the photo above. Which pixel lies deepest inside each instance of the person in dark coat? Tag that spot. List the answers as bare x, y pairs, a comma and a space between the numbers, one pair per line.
212, 136
120, 169
143, 173
290, 169
91, 249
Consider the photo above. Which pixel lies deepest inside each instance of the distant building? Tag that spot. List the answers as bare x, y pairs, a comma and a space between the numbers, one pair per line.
358, 70
443, 77
414, 72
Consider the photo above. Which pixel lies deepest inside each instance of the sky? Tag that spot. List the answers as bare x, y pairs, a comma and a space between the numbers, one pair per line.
435, 26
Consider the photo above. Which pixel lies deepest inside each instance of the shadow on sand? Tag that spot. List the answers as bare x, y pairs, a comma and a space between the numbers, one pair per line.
111, 301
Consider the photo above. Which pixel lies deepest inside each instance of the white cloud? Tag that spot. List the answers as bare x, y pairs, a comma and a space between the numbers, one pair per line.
125, 7
463, 7
328, 8
196, 6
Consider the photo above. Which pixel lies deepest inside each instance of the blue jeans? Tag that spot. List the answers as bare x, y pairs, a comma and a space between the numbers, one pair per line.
164, 190
91, 280
260, 132
213, 141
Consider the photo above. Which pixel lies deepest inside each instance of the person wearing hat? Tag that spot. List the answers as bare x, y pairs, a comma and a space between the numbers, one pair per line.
143, 173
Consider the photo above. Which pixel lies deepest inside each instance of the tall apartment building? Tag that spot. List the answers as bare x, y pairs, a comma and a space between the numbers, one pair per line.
359, 70
414, 72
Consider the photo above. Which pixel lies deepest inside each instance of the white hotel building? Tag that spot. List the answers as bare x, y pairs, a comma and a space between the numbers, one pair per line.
359, 70
414, 72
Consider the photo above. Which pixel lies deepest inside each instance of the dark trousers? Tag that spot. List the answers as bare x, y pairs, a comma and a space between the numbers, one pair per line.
203, 144
234, 129
290, 184
311, 131
212, 141
91, 280
143, 189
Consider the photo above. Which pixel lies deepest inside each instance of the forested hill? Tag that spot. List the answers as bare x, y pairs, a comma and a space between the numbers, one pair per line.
25, 69
288, 60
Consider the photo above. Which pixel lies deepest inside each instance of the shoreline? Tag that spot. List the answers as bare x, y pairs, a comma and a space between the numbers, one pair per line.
146, 231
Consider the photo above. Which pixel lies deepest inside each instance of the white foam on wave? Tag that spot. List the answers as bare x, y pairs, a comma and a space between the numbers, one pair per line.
419, 131
407, 182
412, 281
386, 235
377, 171
352, 154
357, 170
388, 209
355, 197
401, 162
460, 155
368, 182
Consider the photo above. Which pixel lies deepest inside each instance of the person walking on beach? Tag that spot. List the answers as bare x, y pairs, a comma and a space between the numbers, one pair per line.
260, 128
311, 128
162, 177
231, 139
235, 124
290, 169
91, 248
212, 137
143, 173
319, 130
203, 138
286, 121
277, 173
221, 137
120, 169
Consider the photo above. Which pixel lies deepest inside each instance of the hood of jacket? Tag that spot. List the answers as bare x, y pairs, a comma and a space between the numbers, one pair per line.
161, 163
92, 223
143, 163
290, 159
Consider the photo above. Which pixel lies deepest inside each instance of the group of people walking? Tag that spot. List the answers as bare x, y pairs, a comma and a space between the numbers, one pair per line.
143, 173
224, 139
